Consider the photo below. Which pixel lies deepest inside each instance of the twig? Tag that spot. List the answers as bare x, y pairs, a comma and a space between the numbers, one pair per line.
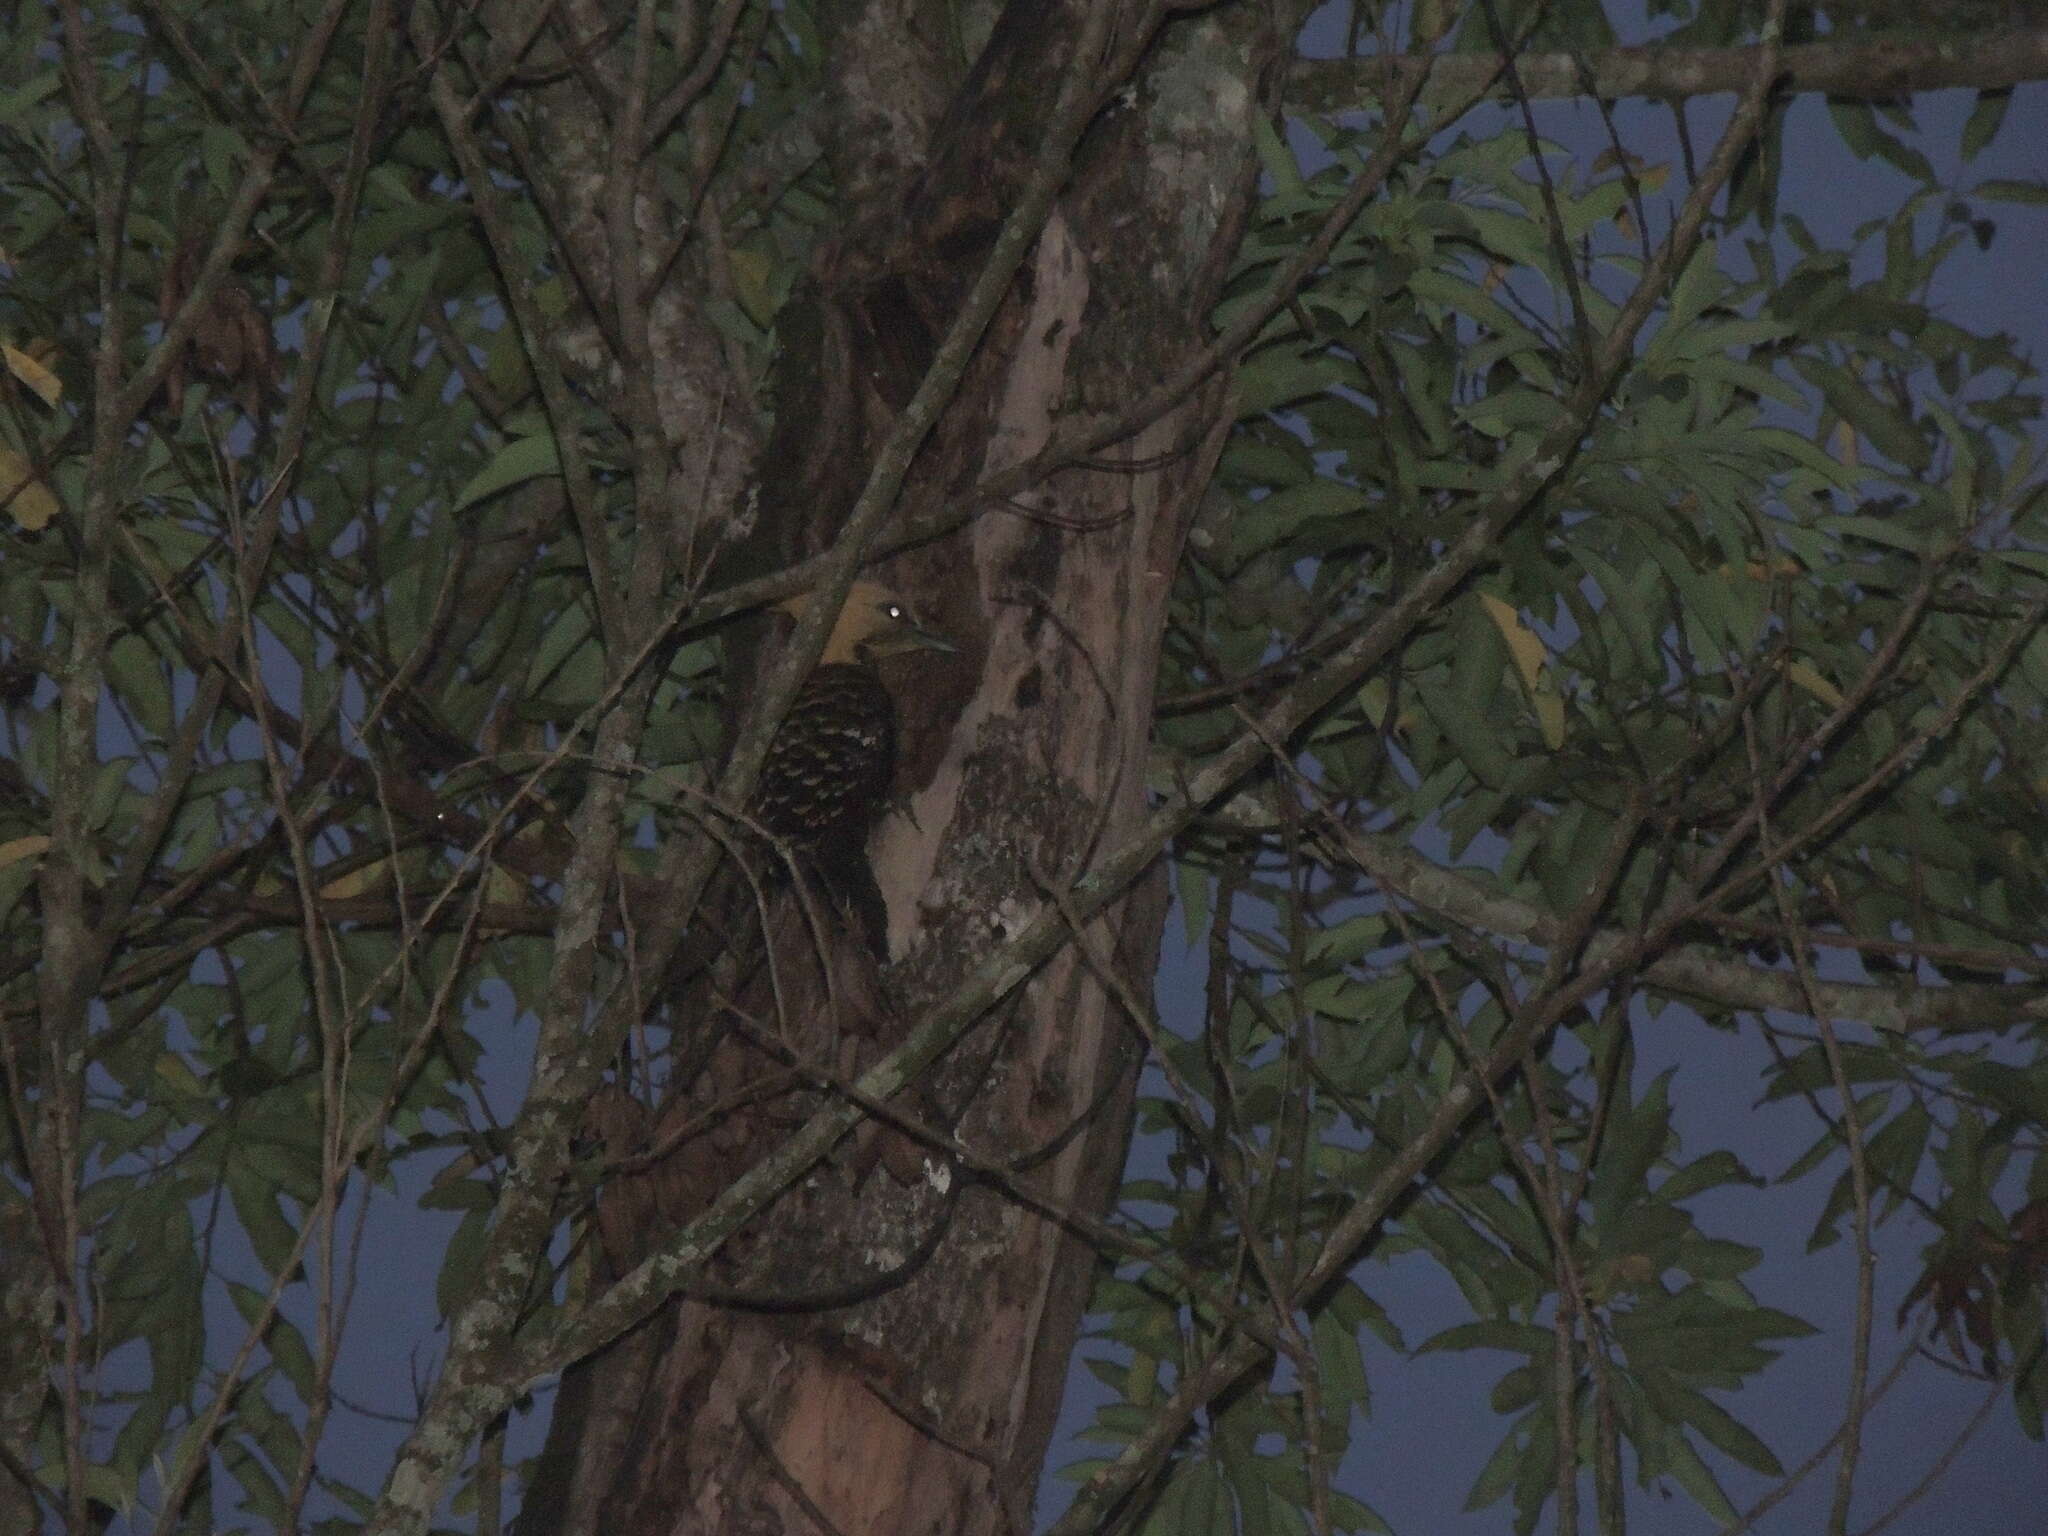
1942, 1463
1553, 220
1821, 1452
1852, 64
1859, 1159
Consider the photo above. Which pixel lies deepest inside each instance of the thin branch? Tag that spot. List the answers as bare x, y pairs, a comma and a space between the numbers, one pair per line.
1942, 1463
1699, 971
1553, 220
661, 117
1859, 1156
1820, 1453
1853, 65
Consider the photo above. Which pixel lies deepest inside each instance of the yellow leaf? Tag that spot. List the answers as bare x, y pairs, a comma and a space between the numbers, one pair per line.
1845, 444
1549, 715
173, 1072
33, 374
1524, 645
16, 849
503, 888
358, 882
28, 501
1526, 648
753, 282
1800, 673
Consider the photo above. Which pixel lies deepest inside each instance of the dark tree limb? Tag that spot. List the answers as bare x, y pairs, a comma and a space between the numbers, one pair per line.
1862, 67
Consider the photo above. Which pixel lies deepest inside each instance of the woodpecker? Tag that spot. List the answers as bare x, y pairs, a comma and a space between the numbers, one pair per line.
829, 770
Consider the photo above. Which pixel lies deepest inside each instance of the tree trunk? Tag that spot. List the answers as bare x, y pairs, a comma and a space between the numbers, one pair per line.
927, 1407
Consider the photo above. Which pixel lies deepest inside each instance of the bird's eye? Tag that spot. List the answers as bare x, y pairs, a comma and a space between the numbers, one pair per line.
893, 611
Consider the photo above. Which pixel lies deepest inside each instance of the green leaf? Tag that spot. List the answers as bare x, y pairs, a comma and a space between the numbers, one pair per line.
1275, 158
255, 1199
1985, 120
286, 1344
220, 149
1895, 1150
141, 1437
1192, 885
1637, 1137
261, 1493
1707, 1258
1698, 1332
1492, 1333
1500, 1473
519, 460
1518, 1389
2001, 191
570, 632
1342, 1366
1356, 1515
1890, 432
1715, 1169
1857, 123
1721, 1429
1195, 1501
461, 1259
272, 1432
1475, 736
1283, 373
1695, 1478
16, 103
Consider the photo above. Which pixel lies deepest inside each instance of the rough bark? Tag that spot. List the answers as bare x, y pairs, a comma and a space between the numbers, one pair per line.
1855, 65
928, 1406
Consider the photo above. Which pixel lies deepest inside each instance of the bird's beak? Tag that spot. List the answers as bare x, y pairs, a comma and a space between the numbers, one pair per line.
927, 638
